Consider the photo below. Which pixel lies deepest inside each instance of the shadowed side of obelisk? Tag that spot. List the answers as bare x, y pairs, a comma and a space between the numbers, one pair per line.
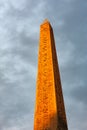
49, 107
62, 122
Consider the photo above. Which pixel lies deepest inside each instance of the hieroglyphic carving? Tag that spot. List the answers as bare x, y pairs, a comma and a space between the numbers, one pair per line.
49, 99
45, 71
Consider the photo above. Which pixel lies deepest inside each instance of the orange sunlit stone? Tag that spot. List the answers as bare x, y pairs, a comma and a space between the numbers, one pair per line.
49, 107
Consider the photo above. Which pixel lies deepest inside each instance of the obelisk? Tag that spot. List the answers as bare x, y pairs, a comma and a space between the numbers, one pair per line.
49, 106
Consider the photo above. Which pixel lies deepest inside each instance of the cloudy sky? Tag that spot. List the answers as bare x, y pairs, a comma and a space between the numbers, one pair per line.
19, 37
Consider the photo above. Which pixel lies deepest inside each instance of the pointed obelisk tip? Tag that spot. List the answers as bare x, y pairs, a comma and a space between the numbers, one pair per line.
46, 21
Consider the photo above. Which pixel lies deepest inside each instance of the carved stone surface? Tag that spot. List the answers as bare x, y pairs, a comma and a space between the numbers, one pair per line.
49, 107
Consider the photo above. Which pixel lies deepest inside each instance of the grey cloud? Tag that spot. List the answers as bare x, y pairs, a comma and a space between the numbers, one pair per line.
80, 94
17, 79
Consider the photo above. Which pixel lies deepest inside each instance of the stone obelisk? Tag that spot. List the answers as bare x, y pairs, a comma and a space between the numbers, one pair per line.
49, 107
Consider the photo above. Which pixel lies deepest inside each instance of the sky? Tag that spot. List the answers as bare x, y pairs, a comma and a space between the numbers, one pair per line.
19, 37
